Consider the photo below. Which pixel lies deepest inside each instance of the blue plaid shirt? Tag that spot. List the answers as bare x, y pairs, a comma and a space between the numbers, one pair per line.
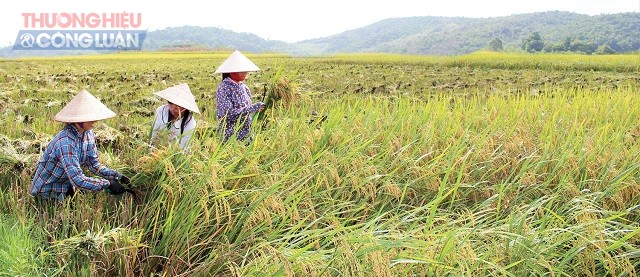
59, 167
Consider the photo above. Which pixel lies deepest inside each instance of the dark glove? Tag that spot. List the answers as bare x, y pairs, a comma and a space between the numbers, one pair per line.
70, 191
115, 188
125, 180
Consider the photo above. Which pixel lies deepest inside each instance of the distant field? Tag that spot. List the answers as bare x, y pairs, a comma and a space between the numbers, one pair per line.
381, 165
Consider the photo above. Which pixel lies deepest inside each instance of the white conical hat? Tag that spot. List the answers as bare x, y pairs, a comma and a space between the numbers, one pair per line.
180, 95
237, 63
84, 107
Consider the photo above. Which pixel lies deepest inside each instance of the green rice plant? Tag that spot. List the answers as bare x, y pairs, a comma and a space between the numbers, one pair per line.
20, 251
386, 165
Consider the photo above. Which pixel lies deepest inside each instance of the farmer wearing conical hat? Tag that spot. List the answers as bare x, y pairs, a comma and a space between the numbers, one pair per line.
234, 108
59, 171
175, 117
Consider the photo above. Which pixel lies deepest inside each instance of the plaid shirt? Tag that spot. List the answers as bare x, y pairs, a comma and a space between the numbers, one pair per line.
234, 107
60, 165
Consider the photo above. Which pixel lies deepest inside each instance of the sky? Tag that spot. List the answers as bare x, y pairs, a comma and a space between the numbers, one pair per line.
292, 20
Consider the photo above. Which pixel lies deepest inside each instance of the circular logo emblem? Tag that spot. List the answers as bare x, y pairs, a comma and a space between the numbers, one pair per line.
27, 40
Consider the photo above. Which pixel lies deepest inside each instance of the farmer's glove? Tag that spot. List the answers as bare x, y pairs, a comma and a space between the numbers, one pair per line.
124, 180
70, 191
115, 188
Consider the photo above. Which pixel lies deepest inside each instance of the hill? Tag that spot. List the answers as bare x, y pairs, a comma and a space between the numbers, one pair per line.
458, 35
209, 37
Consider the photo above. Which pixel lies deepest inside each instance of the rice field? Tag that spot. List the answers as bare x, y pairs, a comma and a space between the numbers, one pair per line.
368, 165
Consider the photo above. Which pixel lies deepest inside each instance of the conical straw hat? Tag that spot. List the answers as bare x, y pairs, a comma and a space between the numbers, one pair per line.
237, 63
84, 107
180, 95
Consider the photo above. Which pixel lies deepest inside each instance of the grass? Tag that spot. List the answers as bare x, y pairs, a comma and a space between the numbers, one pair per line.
458, 178
20, 247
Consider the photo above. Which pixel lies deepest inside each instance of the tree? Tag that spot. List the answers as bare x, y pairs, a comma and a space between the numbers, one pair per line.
495, 45
533, 43
605, 49
567, 44
581, 46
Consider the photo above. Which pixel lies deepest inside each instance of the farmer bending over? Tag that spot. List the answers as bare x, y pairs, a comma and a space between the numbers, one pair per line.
59, 173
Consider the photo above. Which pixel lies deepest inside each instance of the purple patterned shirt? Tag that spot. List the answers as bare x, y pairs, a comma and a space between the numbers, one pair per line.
234, 108
60, 165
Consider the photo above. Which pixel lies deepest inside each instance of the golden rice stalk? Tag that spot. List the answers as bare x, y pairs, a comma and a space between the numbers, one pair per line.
346, 260
393, 190
282, 90
223, 216
92, 244
379, 262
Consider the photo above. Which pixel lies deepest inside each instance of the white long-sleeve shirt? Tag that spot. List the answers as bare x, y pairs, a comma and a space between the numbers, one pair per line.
160, 125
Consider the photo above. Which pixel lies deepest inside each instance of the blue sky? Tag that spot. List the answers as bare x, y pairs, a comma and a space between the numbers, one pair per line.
293, 20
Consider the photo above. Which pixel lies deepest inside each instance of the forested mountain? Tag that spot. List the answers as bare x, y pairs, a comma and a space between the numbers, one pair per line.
208, 37
558, 31
545, 31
